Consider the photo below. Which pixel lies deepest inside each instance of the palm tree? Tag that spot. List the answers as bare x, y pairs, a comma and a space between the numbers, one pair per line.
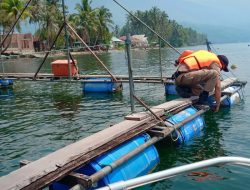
85, 20
104, 20
48, 15
10, 10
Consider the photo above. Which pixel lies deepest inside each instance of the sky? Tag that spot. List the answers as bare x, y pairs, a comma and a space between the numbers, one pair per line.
218, 19
211, 12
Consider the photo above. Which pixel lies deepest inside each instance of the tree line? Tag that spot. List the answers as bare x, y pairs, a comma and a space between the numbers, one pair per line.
159, 21
94, 25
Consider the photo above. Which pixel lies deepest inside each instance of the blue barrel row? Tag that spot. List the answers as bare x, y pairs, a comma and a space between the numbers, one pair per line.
144, 162
5, 83
229, 101
100, 85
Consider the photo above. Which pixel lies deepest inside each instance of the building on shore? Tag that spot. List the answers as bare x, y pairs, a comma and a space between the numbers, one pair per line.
19, 42
138, 41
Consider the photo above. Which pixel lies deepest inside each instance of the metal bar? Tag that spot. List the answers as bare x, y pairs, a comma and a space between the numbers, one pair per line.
160, 58
108, 169
130, 73
1, 58
66, 40
13, 26
44, 59
147, 27
72, 29
158, 176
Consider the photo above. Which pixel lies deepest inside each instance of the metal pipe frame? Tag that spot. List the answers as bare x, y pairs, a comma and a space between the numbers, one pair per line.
108, 169
159, 176
130, 72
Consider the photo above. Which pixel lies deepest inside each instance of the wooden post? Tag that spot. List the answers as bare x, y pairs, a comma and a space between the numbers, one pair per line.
160, 58
130, 72
66, 40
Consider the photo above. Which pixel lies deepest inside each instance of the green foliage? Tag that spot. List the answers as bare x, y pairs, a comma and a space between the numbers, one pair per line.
92, 24
10, 10
159, 21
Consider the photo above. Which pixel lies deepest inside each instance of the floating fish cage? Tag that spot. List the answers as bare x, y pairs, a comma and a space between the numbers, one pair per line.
6, 83
189, 130
141, 164
101, 85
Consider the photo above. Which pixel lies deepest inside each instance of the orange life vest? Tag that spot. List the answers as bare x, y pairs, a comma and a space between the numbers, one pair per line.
200, 59
184, 54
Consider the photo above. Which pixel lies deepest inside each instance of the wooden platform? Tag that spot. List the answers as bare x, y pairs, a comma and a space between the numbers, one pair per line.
42, 172
81, 78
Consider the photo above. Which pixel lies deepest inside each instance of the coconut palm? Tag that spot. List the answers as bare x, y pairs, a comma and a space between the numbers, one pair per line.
48, 15
104, 24
10, 10
85, 20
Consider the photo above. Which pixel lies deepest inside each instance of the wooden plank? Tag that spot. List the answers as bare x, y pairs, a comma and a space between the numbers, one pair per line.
63, 161
143, 115
227, 82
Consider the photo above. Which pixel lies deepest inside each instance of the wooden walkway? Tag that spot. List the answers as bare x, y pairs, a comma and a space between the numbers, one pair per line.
42, 172
81, 78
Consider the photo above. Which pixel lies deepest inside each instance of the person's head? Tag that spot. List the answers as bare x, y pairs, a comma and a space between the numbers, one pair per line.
224, 62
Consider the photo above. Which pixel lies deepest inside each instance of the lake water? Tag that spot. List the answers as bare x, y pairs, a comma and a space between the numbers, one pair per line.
41, 117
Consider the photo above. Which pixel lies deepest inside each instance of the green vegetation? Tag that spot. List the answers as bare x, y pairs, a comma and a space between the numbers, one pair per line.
159, 21
93, 24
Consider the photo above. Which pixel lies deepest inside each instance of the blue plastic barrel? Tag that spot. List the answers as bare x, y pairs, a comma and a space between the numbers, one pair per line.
6, 82
141, 164
101, 85
230, 100
170, 89
190, 129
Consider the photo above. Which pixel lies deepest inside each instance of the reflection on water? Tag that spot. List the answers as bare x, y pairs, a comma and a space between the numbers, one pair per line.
42, 117
6, 92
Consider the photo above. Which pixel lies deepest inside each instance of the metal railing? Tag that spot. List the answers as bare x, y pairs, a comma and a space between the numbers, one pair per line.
158, 176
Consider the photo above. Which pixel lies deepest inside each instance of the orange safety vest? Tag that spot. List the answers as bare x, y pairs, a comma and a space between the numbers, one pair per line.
184, 54
200, 59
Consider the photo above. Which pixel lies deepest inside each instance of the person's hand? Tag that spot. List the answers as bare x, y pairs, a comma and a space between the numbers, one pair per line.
216, 108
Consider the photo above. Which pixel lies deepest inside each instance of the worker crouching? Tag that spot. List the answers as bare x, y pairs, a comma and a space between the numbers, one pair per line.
198, 73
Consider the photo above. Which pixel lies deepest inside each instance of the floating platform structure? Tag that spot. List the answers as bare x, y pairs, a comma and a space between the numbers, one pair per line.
61, 166
81, 78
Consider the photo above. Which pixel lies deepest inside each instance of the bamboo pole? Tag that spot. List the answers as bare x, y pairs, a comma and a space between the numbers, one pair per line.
44, 59
72, 29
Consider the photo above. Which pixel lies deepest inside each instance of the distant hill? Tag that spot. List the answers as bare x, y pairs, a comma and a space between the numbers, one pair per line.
222, 34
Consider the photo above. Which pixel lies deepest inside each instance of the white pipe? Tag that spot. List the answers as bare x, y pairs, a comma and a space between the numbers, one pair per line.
158, 176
